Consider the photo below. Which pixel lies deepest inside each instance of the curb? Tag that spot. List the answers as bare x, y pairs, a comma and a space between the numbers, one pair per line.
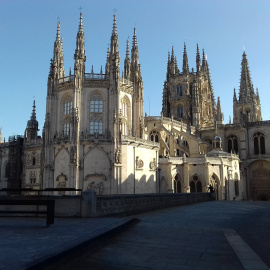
70, 256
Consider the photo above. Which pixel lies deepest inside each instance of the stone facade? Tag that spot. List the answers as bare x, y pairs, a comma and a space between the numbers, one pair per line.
96, 136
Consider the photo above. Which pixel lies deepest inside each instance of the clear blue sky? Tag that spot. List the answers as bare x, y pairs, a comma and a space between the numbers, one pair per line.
222, 28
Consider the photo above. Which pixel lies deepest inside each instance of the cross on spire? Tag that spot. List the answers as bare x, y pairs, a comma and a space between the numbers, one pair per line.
80, 9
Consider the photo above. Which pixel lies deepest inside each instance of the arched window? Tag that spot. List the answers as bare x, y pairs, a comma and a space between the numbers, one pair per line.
124, 108
179, 90
34, 161
259, 143
177, 184
154, 136
96, 104
195, 184
68, 105
124, 128
180, 112
66, 129
232, 144
96, 125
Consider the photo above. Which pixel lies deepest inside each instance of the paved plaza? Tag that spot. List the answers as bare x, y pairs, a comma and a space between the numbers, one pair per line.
210, 235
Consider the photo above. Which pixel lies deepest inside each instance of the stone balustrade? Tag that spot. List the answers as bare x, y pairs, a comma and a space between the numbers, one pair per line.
132, 204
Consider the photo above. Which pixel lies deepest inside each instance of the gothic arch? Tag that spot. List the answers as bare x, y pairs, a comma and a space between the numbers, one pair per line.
214, 177
196, 183
177, 183
259, 143
100, 148
97, 169
59, 150
154, 136
232, 143
96, 92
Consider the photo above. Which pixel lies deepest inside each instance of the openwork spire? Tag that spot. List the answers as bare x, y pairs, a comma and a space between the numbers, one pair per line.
198, 59
127, 64
134, 41
57, 63
79, 51
58, 32
204, 62
81, 24
246, 88
135, 66
185, 60
114, 37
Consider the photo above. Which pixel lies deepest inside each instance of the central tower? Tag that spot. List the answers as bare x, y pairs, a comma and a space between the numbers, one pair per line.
188, 95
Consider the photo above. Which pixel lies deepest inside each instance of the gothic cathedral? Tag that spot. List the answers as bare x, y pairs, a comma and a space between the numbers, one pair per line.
96, 135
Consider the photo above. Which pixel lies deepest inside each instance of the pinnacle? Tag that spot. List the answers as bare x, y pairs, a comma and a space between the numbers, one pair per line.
58, 31
134, 38
81, 23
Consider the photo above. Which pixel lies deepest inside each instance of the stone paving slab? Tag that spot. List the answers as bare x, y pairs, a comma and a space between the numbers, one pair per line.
187, 237
25, 242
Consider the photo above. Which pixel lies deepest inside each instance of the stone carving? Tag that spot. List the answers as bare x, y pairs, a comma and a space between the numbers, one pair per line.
139, 163
153, 164
118, 156
73, 155
98, 188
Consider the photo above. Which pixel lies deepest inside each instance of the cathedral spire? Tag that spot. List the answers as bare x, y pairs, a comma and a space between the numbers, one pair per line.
114, 37
79, 51
173, 67
246, 88
204, 62
57, 63
135, 66
185, 60
198, 59
127, 63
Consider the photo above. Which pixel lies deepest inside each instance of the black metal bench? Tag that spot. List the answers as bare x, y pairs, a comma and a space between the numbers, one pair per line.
49, 211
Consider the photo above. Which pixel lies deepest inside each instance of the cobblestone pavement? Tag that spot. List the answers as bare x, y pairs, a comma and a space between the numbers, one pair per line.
210, 235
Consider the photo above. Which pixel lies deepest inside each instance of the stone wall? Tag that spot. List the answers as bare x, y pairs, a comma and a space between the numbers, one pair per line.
132, 204
90, 205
